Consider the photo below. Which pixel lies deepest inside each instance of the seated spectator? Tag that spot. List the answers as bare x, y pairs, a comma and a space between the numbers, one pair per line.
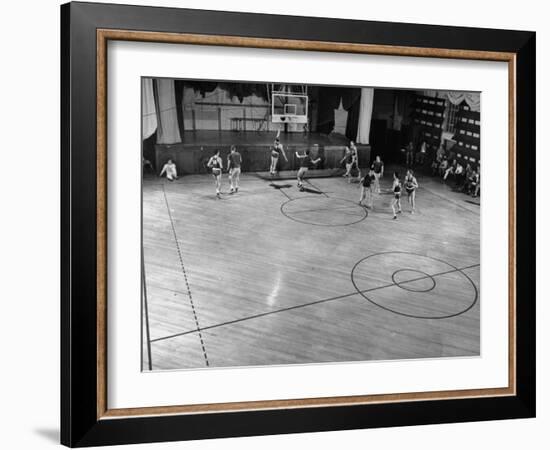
467, 175
471, 182
443, 166
440, 154
450, 170
170, 170
421, 154
435, 167
459, 175
475, 183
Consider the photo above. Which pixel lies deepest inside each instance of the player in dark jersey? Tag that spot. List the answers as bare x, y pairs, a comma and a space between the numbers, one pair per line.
234, 161
215, 163
411, 185
305, 163
396, 188
276, 150
378, 168
366, 184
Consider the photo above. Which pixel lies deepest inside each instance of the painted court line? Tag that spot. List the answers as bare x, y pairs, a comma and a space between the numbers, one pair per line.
317, 302
146, 312
186, 280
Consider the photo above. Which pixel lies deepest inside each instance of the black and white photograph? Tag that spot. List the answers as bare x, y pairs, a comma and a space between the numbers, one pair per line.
298, 224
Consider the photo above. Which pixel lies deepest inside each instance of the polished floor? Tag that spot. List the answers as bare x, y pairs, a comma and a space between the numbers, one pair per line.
272, 275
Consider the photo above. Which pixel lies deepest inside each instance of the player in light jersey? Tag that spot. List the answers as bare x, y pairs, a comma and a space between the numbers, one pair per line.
351, 161
276, 150
234, 161
170, 170
378, 168
215, 163
411, 185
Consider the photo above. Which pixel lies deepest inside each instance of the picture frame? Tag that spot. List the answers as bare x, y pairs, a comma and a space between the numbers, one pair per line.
86, 418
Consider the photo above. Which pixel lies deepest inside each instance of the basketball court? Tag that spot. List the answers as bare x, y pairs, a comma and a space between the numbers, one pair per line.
271, 275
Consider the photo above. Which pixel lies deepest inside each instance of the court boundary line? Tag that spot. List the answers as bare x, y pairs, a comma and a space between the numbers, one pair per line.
316, 302
146, 312
185, 278
450, 201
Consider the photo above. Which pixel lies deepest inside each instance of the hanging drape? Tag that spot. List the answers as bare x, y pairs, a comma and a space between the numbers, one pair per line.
333, 105
365, 115
149, 112
179, 87
168, 129
472, 99
340, 120
329, 100
351, 101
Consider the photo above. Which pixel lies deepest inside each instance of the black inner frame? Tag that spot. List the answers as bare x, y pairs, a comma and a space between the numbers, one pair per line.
79, 424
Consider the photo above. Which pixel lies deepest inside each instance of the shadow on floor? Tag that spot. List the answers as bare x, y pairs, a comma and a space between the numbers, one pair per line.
49, 434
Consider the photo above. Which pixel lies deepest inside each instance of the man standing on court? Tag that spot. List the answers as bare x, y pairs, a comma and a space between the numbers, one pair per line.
378, 168
234, 161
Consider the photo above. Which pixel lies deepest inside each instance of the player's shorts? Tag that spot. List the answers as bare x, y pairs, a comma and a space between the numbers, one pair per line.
216, 172
275, 155
410, 190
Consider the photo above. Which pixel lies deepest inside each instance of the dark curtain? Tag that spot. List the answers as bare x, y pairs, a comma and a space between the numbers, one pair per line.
351, 101
149, 148
179, 85
328, 101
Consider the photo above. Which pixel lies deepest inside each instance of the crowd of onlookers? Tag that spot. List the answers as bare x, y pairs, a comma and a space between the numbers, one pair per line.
446, 165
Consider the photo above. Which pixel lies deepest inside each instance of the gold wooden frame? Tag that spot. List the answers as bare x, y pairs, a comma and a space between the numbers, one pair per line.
103, 36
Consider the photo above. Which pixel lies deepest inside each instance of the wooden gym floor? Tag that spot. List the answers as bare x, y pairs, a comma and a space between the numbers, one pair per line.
272, 275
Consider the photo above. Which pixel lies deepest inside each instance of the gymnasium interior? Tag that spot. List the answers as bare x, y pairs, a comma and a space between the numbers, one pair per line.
274, 275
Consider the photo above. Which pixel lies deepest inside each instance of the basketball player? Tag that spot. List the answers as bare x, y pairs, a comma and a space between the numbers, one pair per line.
355, 159
366, 189
276, 150
234, 161
396, 188
305, 163
410, 188
378, 168
351, 160
348, 158
170, 169
215, 163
